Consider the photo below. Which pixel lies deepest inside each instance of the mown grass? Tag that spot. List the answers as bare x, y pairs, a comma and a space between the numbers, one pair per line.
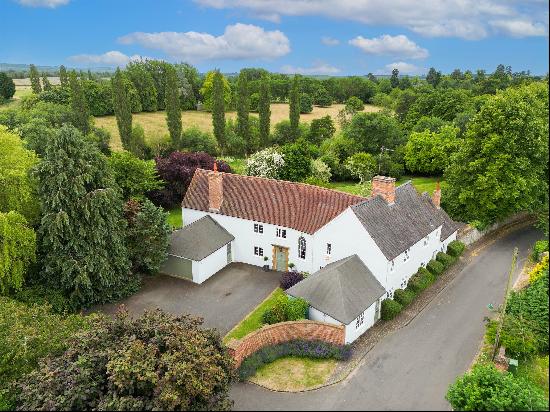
154, 124
294, 373
421, 183
14, 102
535, 370
174, 218
253, 320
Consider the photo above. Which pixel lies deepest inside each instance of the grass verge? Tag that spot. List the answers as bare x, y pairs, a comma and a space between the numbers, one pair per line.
174, 218
536, 371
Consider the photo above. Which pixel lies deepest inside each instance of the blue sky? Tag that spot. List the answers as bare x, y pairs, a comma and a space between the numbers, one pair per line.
335, 37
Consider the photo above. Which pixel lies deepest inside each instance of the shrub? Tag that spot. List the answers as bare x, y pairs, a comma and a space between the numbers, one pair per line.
155, 362
435, 267
306, 103
315, 349
355, 104
134, 176
289, 279
539, 270
420, 280
455, 248
540, 247
404, 297
445, 259
43, 295
484, 388
296, 309
7, 87
285, 309
390, 309
195, 140
265, 163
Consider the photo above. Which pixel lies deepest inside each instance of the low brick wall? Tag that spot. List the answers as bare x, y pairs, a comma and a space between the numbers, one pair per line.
284, 332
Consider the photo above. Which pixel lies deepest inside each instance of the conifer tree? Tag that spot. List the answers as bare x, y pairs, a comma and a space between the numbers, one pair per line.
173, 109
63, 76
82, 233
81, 116
46, 85
243, 124
35, 79
122, 107
294, 108
264, 110
218, 110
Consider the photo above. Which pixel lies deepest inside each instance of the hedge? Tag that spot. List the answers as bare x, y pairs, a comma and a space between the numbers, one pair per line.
316, 349
540, 247
455, 248
286, 309
445, 259
390, 309
421, 280
404, 297
435, 267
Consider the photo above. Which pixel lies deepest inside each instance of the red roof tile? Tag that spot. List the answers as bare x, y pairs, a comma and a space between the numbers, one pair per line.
299, 206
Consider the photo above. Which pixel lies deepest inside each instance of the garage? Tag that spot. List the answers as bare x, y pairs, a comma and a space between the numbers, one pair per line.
198, 250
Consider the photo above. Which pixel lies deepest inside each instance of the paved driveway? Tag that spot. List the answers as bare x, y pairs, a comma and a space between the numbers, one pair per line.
412, 368
222, 301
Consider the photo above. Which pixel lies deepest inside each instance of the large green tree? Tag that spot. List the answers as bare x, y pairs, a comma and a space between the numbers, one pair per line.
502, 166
243, 123
63, 76
372, 131
264, 110
173, 108
47, 86
135, 177
123, 109
80, 113
17, 250
35, 79
82, 235
207, 90
294, 107
17, 187
144, 83
218, 109
7, 87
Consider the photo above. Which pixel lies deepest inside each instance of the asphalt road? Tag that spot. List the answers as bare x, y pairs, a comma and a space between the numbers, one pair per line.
412, 368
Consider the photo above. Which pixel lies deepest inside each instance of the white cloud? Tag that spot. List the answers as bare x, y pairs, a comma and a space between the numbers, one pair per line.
52, 4
403, 67
239, 41
390, 45
466, 19
329, 41
520, 28
111, 58
317, 68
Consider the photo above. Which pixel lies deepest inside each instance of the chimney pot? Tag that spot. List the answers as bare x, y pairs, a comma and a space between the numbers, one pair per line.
384, 186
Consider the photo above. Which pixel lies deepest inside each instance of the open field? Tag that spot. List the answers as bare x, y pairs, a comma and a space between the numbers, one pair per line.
19, 93
154, 123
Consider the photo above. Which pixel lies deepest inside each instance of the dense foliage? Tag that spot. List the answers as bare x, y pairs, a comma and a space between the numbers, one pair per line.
155, 362
122, 108
135, 177
173, 107
266, 163
390, 309
286, 309
7, 87
289, 279
217, 105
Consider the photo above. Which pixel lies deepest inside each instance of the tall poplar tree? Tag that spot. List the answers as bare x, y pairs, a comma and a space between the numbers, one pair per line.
173, 108
82, 233
264, 110
63, 76
123, 108
243, 107
81, 115
294, 108
218, 110
45, 82
35, 79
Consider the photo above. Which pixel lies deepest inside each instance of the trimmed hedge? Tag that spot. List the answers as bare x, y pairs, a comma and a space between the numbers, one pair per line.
286, 309
390, 309
445, 259
455, 248
315, 349
435, 267
421, 280
404, 297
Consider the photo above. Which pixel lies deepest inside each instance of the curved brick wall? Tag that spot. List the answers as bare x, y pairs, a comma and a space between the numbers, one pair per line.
284, 332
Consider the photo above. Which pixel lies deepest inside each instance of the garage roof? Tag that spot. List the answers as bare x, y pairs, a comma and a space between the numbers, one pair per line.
342, 289
199, 239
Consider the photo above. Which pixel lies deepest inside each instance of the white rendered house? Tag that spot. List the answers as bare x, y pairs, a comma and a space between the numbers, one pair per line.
393, 232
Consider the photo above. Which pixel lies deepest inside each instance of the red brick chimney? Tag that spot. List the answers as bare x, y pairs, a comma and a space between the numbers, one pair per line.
385, 187
215, 189
436, 197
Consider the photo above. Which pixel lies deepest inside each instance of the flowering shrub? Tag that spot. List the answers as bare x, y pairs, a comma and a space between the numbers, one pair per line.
310, 349
289, 279
538, 271
320, 171
266, 163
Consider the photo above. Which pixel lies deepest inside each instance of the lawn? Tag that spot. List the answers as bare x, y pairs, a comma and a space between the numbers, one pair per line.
294, 374
421, 183
536, 371
253, 321
174, 218
19, 93
154, 123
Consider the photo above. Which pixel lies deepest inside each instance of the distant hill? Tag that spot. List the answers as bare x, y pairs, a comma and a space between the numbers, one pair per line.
20, 68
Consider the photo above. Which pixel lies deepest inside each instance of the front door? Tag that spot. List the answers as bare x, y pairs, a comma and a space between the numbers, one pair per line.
280, 258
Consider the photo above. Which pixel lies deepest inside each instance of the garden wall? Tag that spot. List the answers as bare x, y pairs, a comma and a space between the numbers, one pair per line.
469, 234
284, 332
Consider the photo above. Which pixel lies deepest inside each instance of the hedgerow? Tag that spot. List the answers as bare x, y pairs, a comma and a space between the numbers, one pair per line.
455, 248
390, 309
435, 267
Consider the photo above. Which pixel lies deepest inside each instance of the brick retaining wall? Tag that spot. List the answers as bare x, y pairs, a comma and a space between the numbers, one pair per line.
284, 332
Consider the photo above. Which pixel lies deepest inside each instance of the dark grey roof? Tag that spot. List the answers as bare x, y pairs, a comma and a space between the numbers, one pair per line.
343, 289
449, 225
199, 239
398, 226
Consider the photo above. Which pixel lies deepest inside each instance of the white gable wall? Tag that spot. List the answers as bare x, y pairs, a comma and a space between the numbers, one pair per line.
246, 239
210, 265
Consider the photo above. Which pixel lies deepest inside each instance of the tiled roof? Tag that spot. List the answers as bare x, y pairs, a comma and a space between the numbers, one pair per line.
199, 239
398, 226
342, 289
299, 206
